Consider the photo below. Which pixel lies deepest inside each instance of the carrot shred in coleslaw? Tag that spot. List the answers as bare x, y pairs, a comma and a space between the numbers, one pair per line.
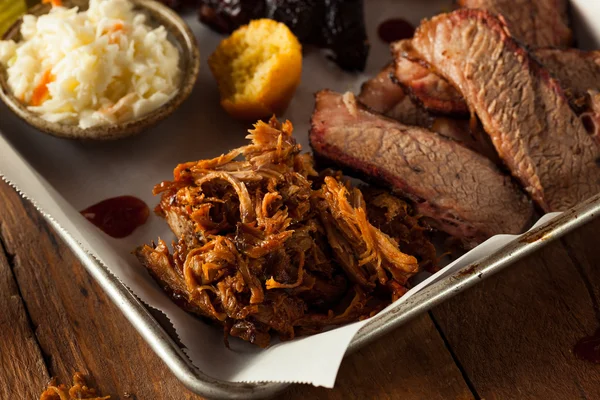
113, 38
55, 3
41, 93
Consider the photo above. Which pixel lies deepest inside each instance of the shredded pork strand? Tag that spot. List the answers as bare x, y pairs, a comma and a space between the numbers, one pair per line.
266, 245
79, 390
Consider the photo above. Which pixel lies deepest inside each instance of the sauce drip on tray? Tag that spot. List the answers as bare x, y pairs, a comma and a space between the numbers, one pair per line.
395, 29
119, 216
588, 348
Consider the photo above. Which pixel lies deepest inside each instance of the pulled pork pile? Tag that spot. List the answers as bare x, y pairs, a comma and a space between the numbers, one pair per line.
267, 245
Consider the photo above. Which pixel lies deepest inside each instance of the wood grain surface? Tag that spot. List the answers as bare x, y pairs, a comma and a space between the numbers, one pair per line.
514, 333
509, 337
20, 355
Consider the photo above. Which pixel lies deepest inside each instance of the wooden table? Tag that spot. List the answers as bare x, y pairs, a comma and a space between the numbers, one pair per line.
510, 337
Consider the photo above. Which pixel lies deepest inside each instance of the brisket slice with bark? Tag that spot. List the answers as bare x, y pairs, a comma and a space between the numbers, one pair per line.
458, 190
423, 85
577, 71
536, 23
381, 94
384, 96
522, 108
469, 133
591, 117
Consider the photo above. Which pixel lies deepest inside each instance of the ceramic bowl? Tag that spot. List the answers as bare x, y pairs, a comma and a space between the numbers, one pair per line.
180, 35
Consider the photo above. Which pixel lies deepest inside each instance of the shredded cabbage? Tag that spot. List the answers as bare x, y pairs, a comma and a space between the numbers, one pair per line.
102, 66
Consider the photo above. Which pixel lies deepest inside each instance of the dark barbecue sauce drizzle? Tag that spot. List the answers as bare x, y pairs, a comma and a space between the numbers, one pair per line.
118, 217
395, 29
588, 348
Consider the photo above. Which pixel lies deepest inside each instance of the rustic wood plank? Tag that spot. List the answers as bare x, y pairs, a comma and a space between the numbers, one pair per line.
23, 374
79, 329
77, 326
409, 363
513, 334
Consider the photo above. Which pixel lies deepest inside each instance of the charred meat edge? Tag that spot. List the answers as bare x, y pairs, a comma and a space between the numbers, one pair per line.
453, 220
552, 185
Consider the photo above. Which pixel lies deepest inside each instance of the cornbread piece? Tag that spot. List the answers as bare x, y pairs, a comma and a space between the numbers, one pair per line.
257, 69
336, 25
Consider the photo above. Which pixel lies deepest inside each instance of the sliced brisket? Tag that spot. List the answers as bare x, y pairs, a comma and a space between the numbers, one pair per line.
591, 117
409, 113
384, 96
577, 71
458, 190
469, 133
536, 23
380, 94
423, 84
520, 105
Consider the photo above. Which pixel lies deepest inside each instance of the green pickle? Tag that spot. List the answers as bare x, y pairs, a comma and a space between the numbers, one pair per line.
11, 10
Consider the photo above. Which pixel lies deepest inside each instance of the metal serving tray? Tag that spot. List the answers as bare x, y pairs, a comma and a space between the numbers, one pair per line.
202, 384
198, 382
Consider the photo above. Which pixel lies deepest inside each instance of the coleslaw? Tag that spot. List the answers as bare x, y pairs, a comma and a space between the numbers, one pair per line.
102, 66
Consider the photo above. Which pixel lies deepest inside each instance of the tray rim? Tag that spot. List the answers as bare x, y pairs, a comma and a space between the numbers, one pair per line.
200, 383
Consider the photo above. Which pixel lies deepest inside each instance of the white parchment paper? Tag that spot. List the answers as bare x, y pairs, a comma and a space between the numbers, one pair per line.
63, 177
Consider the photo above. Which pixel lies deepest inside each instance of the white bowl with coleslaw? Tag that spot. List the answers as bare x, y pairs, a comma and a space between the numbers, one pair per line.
102, 73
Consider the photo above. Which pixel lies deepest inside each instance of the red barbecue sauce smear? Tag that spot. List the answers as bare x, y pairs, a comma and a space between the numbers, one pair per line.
395, 29
118, 217
588, 348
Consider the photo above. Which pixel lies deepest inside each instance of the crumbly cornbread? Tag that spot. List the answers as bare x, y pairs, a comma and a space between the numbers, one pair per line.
257, 69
